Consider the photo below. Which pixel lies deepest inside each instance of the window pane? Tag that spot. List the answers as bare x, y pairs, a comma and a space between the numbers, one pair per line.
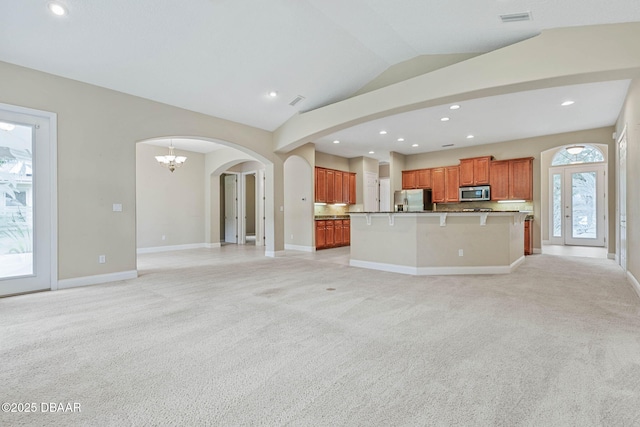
583, 185
16, 201
557, 205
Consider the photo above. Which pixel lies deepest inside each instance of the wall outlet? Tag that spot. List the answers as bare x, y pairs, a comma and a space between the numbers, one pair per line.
460, 252
292, 237
117, 207
164, 237
102, 259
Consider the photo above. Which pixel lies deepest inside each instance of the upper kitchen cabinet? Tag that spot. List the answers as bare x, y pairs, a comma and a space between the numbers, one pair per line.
321, 185
334, 186
452, 184
511, 179
474, 171
420, 178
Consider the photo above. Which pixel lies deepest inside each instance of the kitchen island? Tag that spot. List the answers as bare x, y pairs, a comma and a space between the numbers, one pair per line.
438, 243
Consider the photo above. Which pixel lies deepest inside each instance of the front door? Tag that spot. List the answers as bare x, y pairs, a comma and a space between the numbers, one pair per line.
578, 205
25, 202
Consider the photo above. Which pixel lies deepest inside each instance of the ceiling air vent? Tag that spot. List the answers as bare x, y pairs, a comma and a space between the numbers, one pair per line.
296, 100
515, 17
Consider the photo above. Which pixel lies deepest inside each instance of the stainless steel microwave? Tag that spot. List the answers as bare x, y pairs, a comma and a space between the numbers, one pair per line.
474, 194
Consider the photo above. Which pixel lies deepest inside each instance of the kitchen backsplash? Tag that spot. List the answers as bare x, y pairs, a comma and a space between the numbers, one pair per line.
325, 210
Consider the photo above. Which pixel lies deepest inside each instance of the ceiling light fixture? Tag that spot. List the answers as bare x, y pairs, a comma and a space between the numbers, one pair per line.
57, 9
444, 119
454, 107
7, 126
273, 94
414, 145
383, 132
400, 139
171, 161
336, 142
575, 149
470, 136
372, 152
567, 103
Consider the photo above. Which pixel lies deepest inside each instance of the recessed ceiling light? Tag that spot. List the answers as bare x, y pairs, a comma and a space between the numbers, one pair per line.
414, 145
400, 139
566, 103
336, 142
454, 107
383, 132
444, 119
372, 152
273, 94
470, 137
57, 9
7, 126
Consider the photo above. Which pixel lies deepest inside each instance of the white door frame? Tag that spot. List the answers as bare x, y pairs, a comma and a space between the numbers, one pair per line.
49, 128
234, 204
242, 205
621, 205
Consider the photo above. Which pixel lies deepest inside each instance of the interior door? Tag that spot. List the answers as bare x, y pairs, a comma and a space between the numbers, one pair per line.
25, 203
230, 209
584, 206
385, 194
371, 192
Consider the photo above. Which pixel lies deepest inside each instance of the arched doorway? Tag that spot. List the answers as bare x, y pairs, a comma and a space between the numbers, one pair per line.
577, 196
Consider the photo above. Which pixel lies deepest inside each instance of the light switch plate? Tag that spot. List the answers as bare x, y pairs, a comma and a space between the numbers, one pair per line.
117, 207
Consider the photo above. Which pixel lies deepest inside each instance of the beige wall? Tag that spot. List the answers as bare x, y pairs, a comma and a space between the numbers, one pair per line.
329, 161
168, 204
630, 117
97, 134
299, 197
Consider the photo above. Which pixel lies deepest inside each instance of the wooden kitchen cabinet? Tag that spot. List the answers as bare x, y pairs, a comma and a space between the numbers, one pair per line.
338, 188
452, 184
528, 237
409, 179
333, 233
521, 179
511, 179
499, 180
321, 185
474, 171
423, 178
352, 188
321, 234
438, 185
334, 186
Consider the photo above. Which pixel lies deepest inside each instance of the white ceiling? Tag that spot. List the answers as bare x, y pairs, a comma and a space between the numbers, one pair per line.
222, 57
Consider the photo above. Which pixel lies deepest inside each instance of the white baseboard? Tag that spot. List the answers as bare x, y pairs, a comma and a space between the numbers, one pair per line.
97, 279
288, 247
611, 256
212, 245
273, 254
537, 250
170, 248
634, 282
437, 271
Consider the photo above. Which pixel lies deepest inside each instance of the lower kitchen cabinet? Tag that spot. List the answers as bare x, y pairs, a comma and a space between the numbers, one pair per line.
528, 237
332, 233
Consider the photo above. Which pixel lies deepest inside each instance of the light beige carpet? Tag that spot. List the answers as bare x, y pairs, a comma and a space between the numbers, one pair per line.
227, 337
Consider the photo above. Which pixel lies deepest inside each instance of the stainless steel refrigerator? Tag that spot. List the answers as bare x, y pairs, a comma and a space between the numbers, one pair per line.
412, 201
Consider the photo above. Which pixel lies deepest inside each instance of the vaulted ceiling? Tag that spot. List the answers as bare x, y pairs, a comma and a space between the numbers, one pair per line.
223, 57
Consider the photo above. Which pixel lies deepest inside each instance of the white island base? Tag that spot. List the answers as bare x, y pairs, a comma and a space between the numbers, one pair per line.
438, 243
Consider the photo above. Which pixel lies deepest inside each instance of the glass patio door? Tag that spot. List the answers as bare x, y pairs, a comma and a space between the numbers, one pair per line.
25, 203
577, 200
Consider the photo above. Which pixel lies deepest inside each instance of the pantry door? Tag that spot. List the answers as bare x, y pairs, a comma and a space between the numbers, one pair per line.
27, 199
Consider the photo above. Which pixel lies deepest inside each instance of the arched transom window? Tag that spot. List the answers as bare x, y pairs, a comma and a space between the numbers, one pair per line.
576, 154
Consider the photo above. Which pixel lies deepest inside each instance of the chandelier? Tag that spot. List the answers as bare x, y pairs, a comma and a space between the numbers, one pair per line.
171, 161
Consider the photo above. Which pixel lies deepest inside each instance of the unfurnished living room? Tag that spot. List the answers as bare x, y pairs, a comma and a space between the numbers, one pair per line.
320, 213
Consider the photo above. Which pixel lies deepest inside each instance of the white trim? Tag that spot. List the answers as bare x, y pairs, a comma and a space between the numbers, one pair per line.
97, 279
155, 249
537, 250
288, 247
273, 254
634, 282
612, 256
212, 245
437, 271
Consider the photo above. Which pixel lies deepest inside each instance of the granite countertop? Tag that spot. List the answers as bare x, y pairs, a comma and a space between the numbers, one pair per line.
321, 217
